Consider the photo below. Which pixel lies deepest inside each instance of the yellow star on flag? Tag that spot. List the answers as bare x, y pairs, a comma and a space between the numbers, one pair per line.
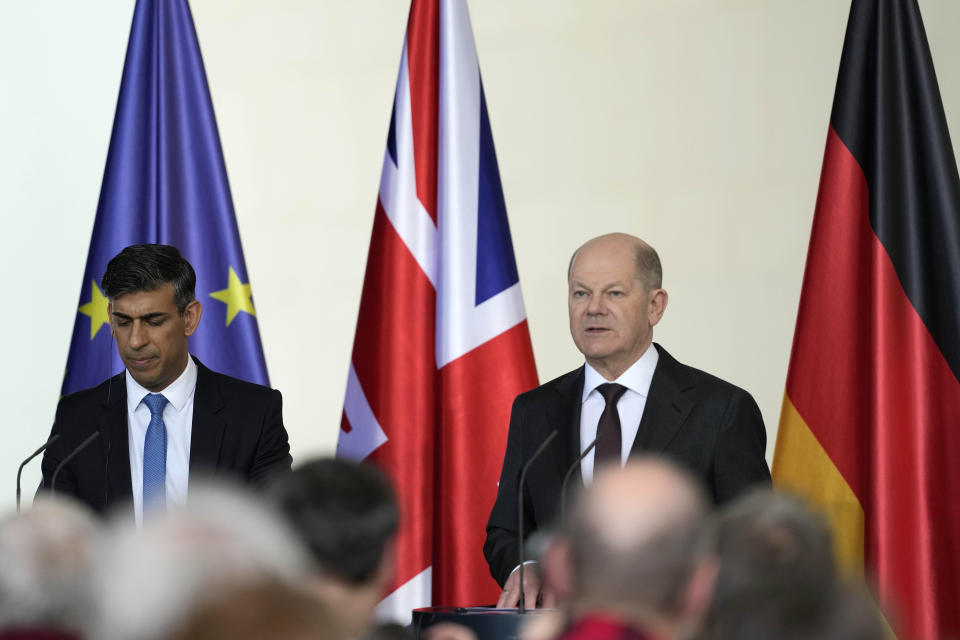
96, 309
236, 296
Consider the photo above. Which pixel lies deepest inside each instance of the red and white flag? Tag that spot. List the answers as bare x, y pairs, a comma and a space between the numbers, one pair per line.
442, 345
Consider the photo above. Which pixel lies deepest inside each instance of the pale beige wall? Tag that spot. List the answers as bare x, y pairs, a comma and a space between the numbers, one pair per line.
697, 124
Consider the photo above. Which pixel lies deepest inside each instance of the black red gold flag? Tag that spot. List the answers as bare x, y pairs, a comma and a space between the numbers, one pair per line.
870, 427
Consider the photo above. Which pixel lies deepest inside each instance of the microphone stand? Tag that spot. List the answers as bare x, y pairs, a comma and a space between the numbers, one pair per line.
33, 455
80, 447
566, 476
523, 477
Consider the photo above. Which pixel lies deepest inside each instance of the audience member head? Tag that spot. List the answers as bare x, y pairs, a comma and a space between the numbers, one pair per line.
153, 310
264, 609
776, 574
851, 615
629, 548
148, 580
614, 300
45, 559
391, 631
347, 516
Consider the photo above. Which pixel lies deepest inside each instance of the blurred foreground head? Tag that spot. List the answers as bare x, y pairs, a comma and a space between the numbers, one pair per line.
45, 560
629, 549
149, 581
777, 577
258, 610
346, 515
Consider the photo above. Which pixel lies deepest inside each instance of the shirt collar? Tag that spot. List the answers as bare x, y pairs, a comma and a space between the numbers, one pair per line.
177, 392
637, 378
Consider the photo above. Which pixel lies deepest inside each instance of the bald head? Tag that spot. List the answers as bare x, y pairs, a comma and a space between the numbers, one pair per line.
640, 502
624, 248
633, 534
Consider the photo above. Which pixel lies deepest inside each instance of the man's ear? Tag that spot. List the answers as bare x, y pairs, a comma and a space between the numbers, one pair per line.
698, 593
191, 317
386, 569
113, 330
658, 304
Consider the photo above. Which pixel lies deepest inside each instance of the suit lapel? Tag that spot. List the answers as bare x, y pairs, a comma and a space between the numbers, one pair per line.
668, 404
564, 416
116, 446
208, 426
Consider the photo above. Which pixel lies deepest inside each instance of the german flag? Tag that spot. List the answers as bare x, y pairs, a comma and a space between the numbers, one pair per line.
870, 427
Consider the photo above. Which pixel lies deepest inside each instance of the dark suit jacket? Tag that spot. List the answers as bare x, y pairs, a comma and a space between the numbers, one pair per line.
237, 432
708, 426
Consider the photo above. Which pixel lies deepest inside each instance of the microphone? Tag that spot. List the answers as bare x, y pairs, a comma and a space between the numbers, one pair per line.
33, 455
566, 476
523, 477
80, 447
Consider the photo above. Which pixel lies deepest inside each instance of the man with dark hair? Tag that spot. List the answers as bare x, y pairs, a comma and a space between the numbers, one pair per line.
626, 563
777, 577
346, 514
631, 393
167, 418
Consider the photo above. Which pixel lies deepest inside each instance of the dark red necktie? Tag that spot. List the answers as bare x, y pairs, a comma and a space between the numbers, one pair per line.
609, 445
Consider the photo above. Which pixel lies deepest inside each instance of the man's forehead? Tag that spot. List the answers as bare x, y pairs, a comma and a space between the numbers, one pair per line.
141, 303
604, 272
603, 282
603, 258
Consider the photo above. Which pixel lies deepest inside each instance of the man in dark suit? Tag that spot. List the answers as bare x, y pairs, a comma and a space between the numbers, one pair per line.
631, 393
167, 419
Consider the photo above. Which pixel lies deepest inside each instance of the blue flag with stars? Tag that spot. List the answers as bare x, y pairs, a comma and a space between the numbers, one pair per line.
165, 182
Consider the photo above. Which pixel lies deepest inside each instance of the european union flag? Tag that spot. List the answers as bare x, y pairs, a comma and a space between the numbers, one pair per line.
165, 182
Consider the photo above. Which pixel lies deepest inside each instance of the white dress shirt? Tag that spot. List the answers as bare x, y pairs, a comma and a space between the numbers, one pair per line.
630, 406
178, 418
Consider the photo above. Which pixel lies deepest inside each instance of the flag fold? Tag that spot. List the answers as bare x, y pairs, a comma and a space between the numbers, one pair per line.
165, 182
870, 426
442, 345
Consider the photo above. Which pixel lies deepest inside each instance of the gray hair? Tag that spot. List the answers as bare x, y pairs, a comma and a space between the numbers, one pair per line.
777, 572
45, 559
160, 573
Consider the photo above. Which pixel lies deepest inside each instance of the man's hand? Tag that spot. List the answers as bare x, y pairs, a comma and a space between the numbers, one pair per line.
534, 593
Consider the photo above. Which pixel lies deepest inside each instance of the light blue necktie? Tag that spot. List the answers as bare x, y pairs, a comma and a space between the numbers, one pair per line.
155, 454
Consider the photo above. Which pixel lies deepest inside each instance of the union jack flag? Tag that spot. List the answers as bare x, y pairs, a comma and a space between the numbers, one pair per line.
442, 345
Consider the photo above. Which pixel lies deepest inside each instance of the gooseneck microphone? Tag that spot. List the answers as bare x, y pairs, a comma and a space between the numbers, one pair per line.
33, 455
523, 477
80, 447
566, 476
